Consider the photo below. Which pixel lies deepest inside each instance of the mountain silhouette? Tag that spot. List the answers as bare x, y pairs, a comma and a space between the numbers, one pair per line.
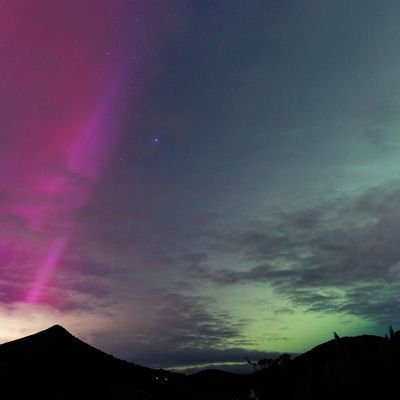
363, 366
53, 344
344, 350
53, 364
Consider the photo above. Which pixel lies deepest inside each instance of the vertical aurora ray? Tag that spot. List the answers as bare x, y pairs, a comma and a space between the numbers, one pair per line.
50, 262
59, 123
85, 159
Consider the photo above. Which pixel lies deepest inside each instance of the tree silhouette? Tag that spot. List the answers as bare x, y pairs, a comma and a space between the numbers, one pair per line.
271, 364
335, 335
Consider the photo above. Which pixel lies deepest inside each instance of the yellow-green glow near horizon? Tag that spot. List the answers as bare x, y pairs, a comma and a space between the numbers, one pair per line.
274, 324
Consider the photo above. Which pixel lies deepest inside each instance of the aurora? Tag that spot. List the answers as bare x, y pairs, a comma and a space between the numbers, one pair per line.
187, 183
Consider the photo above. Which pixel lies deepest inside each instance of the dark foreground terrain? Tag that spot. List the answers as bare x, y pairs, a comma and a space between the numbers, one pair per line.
53, 364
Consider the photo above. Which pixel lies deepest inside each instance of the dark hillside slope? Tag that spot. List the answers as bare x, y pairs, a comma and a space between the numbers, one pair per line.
360, 366
55, 364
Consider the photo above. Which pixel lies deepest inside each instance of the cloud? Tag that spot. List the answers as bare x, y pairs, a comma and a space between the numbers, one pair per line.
339, 256
174, 323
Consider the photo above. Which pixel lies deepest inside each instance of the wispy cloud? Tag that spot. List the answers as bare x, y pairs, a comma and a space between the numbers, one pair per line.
339, 256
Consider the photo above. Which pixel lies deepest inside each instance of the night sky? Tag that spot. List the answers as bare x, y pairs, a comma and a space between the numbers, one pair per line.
188, 182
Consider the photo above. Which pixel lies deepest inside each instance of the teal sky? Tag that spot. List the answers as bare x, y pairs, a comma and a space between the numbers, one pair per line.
249, 202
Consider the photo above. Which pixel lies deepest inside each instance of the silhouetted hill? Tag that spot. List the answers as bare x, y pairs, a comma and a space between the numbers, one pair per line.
360, 366
365, 348
52, 345
53, 364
